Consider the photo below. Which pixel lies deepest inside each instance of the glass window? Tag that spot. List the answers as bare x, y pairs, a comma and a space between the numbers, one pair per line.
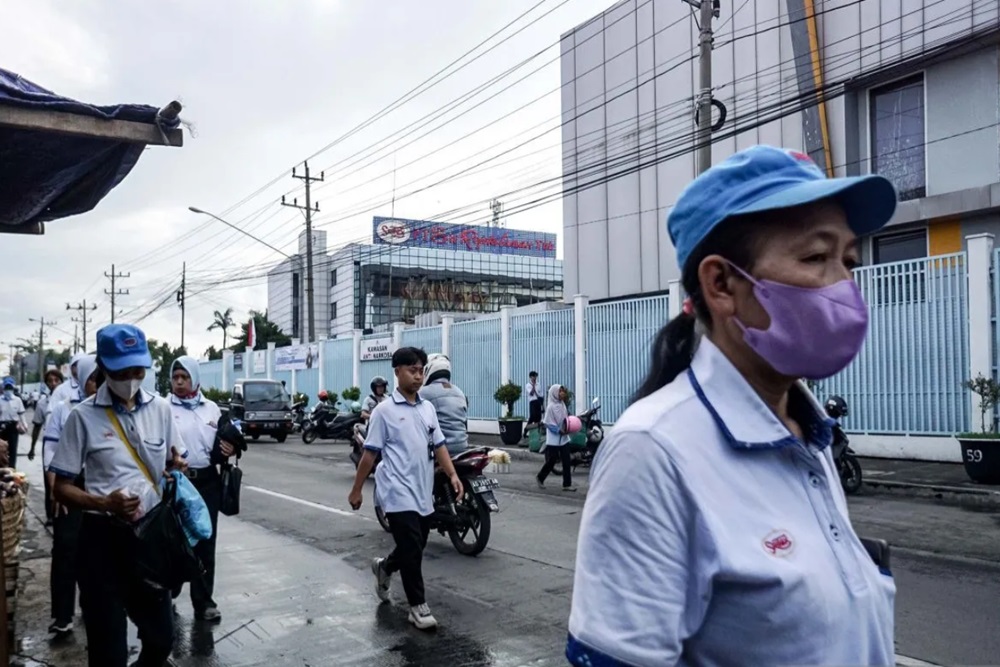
896, 116
333, 277
333, 310
899, 247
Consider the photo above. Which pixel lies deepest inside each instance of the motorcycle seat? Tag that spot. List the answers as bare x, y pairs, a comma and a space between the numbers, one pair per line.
472, 451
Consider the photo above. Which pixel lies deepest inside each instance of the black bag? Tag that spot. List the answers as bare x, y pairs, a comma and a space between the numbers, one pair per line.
232, 478
164, 559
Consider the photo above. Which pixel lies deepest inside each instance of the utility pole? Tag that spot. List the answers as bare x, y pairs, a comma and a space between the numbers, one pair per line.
309, 210
181, 294
42, 323
84, 309
76, 338
709, 9
113, 293
497, 207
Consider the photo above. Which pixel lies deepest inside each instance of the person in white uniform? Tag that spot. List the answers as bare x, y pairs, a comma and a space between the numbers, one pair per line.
11, 419
715, 530
53, 378
69, 390
197, 421
126, 439
65, 520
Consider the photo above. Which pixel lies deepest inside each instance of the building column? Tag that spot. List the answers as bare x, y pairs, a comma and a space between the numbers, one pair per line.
675, 299
980, 307
248, 368
269, 360
321, 362
446, 322
505, 365
580, 303
294, 389
356, 359
397, 342
227, 370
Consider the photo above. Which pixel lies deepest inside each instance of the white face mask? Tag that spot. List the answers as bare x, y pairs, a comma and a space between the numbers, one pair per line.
124, 389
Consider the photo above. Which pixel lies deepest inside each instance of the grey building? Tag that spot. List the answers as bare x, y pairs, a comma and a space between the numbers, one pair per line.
906, 88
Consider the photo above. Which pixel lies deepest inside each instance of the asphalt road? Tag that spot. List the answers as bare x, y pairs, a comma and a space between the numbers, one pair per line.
294, 586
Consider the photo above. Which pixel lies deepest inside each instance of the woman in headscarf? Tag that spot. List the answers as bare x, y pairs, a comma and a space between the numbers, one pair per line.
556, 440
197, 420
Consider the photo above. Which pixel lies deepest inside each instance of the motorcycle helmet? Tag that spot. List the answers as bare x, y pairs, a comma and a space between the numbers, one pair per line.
379, 381
573, 424
836, 407
323, 395
355, 407
438, 367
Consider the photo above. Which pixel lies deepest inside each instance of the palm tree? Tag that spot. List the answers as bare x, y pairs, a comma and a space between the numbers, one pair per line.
224, 321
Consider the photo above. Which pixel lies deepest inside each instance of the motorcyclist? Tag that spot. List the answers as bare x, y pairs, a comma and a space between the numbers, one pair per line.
836, 408
380, 387
449, 401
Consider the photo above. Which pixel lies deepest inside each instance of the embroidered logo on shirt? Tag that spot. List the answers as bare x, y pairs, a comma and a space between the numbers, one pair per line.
109, 434
778, 543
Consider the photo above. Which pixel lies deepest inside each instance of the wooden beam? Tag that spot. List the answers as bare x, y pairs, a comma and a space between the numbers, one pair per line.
62, 122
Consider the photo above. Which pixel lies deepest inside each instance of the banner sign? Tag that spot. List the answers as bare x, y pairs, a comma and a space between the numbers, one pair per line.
237, 361
377, 349
472, 238
296, 357
259, 361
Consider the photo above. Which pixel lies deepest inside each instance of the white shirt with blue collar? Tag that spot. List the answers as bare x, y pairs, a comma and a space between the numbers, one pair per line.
407, 435
197, 421
713, 536
11, 408
54, 426
89, 439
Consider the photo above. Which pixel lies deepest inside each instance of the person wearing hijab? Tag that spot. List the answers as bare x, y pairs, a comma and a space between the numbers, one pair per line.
68, 390
556, 440
65, 520
197, 420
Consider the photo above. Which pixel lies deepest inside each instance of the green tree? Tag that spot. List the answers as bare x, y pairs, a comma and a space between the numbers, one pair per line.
164, 356
267, 332
212, 353
223, 320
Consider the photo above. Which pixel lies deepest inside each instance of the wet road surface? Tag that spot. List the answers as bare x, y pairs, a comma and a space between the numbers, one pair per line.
294, 587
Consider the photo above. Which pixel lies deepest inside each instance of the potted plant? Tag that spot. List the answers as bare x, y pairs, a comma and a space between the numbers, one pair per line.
981, 451
511, 426
351, 394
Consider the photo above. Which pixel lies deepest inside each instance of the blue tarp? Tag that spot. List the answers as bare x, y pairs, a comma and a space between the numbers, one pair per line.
45, 175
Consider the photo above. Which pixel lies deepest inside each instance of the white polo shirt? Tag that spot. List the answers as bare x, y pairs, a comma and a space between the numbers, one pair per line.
407, 435
538, 389
41, 411
11, 408
90, 439
66, 391
712, 536
197, 425
54, 429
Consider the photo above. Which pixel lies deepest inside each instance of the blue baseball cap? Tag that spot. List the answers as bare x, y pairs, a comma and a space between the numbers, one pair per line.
121, 346
9, 382
765, 178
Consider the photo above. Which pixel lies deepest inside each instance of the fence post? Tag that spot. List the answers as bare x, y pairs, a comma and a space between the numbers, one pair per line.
675, 299
580, 303
356, 359
321, 373
269, 360
227, 365
980, 307
446, 322
505, 312
295, 385
248, 368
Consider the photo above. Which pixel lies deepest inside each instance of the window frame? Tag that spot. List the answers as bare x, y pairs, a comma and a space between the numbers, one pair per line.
887, 87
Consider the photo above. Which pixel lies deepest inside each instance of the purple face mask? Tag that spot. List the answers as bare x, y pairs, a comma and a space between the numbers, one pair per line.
815, 332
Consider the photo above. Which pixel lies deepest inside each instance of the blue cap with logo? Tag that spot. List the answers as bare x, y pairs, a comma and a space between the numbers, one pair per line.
121, 346
765, 178
9, 382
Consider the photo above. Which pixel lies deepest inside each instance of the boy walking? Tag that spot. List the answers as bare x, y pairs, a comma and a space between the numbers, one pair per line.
405, 430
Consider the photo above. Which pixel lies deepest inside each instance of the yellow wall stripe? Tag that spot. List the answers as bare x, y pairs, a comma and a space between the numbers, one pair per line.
944, 236
817, 68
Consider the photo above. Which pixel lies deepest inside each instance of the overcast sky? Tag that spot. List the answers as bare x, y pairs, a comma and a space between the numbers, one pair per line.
267, 84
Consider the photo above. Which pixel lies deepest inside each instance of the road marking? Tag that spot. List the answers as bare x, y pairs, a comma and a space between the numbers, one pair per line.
307, 503
903, 661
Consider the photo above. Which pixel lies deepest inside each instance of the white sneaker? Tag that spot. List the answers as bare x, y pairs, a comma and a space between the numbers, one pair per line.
420, 616
382, 579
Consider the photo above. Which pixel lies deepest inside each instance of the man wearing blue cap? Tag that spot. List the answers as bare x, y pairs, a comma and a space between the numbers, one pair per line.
716, 529
125, 438
11, 419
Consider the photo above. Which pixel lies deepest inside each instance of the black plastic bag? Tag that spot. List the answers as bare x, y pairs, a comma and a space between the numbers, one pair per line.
232, 478
164, 559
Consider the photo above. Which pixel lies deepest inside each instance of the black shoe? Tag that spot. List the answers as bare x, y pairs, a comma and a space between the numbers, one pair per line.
210, 613
61, 628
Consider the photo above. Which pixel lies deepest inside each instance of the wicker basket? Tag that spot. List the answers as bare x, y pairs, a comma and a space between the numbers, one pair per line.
12, 521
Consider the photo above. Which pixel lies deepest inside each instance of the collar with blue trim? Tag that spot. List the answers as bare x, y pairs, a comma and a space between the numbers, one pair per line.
105, 399
190, 403
744, 419
399, 398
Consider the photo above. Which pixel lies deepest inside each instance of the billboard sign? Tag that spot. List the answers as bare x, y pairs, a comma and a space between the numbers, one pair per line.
296, 357
471, 238
377, 349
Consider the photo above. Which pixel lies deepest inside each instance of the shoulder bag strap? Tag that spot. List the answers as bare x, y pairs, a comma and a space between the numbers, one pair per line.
131, 449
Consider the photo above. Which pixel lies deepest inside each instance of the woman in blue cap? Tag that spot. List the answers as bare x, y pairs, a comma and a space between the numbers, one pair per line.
125, 438
715, 530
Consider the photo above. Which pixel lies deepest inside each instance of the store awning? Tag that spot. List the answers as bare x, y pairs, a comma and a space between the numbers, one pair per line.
60, 157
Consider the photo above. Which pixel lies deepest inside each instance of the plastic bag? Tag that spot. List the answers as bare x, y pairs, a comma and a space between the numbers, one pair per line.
192, 510
145, 492
163, 557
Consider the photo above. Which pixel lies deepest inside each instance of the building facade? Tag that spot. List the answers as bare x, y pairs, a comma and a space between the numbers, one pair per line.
908, 89
412, 268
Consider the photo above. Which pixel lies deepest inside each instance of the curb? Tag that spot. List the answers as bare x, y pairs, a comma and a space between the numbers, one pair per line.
957, 494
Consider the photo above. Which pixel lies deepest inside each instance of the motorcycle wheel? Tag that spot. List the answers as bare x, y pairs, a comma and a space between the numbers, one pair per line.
309, 436
281, 437
475, 510
850, 475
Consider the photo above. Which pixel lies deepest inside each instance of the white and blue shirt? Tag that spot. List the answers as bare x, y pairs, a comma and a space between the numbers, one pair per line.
11, 408
713, 536
407, 435
54, 426
197, 421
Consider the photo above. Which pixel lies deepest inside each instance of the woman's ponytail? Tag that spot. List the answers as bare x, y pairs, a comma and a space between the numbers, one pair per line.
671, 354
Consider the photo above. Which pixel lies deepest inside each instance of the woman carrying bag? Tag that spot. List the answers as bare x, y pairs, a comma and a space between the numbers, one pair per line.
556, 439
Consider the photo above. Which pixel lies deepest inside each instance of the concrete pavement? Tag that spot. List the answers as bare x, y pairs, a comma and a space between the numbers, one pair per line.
294, 587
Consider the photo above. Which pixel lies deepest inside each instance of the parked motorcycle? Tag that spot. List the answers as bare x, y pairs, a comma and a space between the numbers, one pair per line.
848, 466
326, 425
583, 454
466, 520
298, 416
358, 447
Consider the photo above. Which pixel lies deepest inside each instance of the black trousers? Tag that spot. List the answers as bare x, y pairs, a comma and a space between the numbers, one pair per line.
10, 434
65, 566
48, 490
209, 485
555, 455
110, 593
409, 530
535, 411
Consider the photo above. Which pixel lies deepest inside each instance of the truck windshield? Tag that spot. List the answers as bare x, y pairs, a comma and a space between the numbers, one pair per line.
265, 392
